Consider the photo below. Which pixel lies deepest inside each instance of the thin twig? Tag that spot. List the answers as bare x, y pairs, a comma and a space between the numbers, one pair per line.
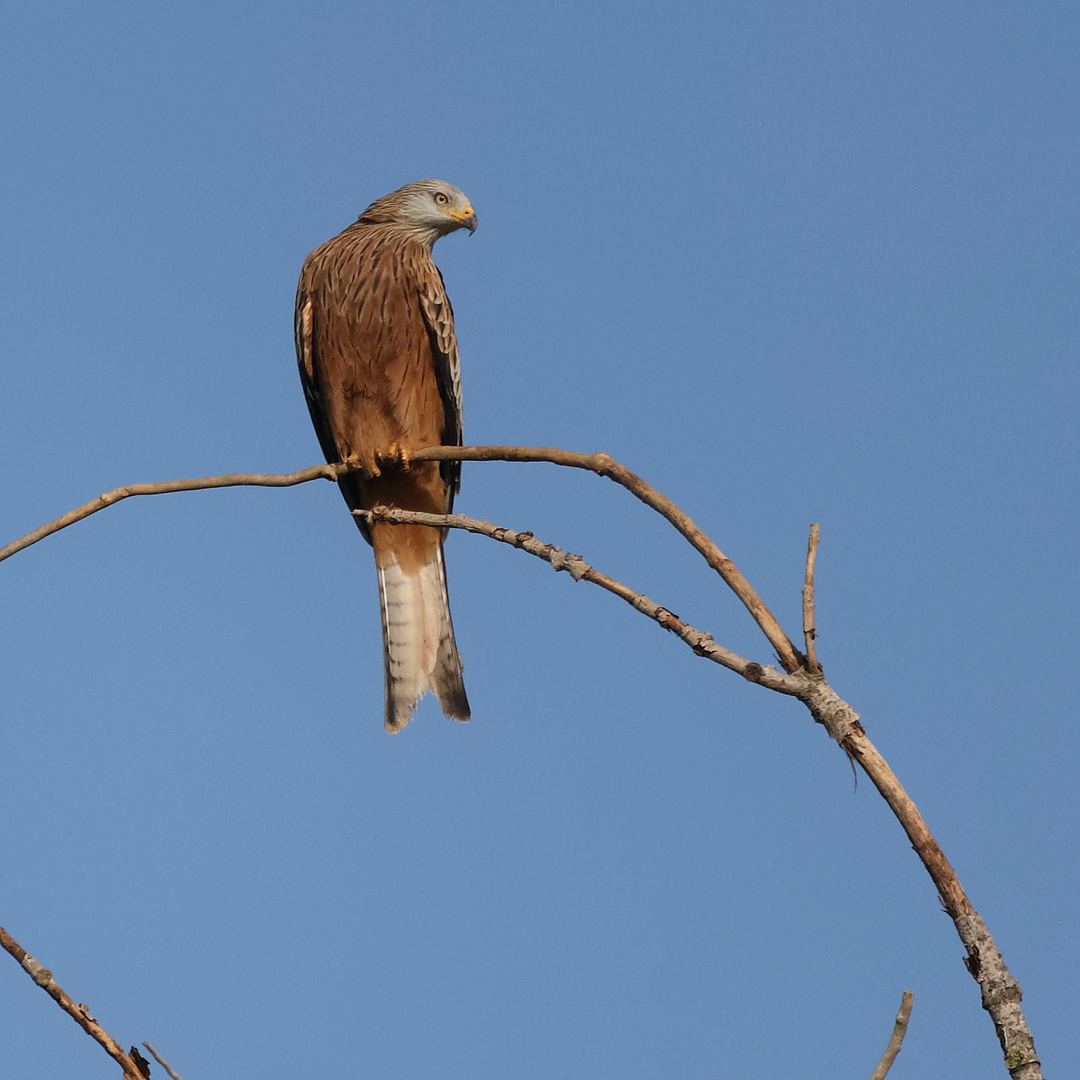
808, 614
896, 1040
161, 1061
166, 487
580, 570
79, 1013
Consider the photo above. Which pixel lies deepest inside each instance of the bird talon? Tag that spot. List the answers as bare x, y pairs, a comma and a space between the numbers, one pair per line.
396, 457
357, 464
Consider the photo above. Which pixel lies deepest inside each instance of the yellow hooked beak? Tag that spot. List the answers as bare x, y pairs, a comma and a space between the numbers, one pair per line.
465, 217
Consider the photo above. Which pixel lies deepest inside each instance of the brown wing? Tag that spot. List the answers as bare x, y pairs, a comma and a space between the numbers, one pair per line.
439, 316
305, 357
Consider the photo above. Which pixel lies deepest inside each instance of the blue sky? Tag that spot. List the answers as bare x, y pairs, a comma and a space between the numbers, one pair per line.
793, 263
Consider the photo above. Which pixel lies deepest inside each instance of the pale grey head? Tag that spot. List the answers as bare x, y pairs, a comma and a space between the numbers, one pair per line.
427, 209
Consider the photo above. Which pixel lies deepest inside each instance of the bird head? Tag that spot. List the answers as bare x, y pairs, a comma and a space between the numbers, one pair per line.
427, 208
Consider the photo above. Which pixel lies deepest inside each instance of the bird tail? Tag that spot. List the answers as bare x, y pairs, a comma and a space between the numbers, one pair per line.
418, 642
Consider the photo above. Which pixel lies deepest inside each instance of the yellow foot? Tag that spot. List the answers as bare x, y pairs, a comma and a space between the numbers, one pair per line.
358, 465
396, 456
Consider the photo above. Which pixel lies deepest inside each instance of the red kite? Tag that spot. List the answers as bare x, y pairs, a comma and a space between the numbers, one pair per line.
379, 362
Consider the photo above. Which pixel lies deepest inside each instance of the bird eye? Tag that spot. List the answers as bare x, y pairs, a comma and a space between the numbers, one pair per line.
441, 198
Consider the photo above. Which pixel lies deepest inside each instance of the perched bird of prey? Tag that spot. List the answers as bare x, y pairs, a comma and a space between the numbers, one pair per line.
379, 362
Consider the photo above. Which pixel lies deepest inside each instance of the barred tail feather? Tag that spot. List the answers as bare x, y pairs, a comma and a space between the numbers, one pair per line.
419, 650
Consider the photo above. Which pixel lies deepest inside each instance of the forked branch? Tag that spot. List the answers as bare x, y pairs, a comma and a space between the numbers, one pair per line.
601, 464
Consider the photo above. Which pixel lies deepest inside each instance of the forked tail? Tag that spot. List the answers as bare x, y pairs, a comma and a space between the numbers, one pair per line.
419, 650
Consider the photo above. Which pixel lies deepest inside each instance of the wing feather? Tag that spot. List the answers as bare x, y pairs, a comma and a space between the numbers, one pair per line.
309, 378
439, 317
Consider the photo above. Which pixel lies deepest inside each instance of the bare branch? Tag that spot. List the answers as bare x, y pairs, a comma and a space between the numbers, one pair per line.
808, 614
165, 487
601, 464
1000, 991
801, 678
79, 1013
580, 570
161, 1061
896, 1039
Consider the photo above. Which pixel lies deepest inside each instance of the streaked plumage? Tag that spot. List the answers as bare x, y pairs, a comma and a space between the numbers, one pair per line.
379, 363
